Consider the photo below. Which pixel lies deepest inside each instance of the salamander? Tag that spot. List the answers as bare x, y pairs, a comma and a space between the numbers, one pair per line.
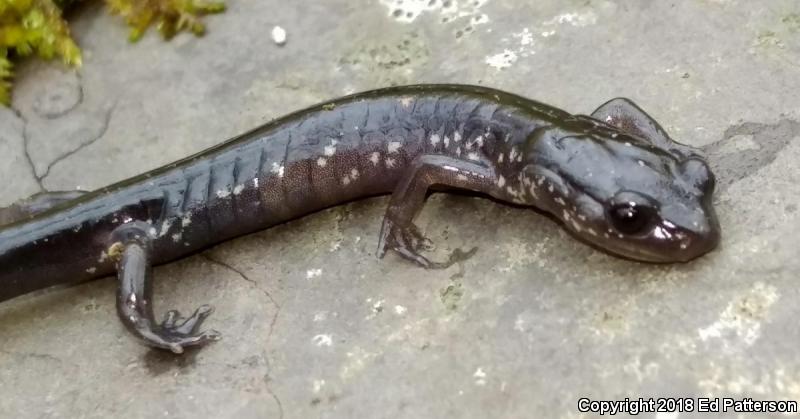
613, 179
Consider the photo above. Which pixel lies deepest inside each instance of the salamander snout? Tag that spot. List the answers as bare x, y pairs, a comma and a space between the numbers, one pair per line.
643, 228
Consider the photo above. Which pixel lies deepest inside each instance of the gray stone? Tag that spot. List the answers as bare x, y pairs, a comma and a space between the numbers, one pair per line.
315, 326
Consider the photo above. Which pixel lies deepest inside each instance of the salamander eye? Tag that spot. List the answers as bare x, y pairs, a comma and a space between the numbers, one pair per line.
631, 213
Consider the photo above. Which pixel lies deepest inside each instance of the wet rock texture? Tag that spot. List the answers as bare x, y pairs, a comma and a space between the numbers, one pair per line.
314, 325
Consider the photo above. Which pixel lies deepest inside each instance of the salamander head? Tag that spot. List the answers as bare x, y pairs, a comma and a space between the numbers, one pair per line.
624, 194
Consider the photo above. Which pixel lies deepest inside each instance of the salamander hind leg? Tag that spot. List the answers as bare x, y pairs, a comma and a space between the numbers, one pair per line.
399, 233
132, 247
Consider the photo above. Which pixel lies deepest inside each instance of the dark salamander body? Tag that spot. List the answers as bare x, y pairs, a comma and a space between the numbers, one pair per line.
614, 179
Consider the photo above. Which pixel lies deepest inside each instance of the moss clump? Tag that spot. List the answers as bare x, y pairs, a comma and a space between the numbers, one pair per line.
36, 27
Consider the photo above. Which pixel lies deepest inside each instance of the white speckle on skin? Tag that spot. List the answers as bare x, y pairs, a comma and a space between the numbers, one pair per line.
176, 237
581, 217
457, 137
533, 192
446, 141
458, 151
322, 340
313, 273
641, 163
91, 270
390, 163
322, 162
500, 158
550, 187
277, 169
512, 154
461, 177
560, 201
278, 35
103, 257
354, 174
223, 193
683, 246
501, 181
255, 182
473, 156
346, 180
393, 146
435, 139
375, 158
238, 189
591, 231
628, 144
329, 150
406, 101
152, 231
186, 219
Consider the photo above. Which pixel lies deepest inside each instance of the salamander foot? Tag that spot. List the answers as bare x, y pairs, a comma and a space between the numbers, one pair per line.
177, 333
408, 241
132, 248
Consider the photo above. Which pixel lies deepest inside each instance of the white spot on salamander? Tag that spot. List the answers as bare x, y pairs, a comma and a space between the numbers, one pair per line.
435, 139
641, 163
501, 181
165, 226
186, 220
393, 146
446, 141
238, 189
223, 193
500, 158
322, 162
354, 174
406, 101
277, 169
390, 163
330, 150
91, 270
461, 177
560, 201
346, 180
473, 156
457, 137
176, 237
255, 182
375, 158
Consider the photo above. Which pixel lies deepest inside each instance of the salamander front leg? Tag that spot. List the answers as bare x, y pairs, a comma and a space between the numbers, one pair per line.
399, 232
132, 248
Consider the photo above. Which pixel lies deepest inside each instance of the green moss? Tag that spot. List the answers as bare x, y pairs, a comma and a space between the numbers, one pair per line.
36, 27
